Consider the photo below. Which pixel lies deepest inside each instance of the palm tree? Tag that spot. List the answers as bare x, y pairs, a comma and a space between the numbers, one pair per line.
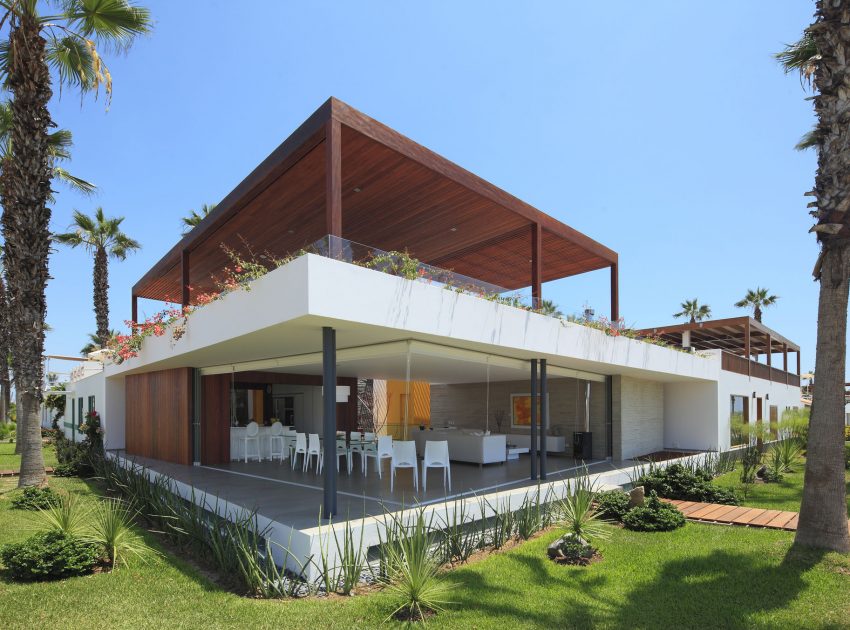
823, 512
103, 237
192, 221
59, 144
94, 343
61, 37
548, 307
693, 310
757, 299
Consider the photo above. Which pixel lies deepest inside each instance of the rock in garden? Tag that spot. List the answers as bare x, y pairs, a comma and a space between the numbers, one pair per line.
636, 497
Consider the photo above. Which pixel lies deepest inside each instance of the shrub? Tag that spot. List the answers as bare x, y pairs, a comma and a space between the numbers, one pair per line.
49, 556
33, 498
783, 455
612, 504
654, 516
7, 430
847, 433
74, 458
677, 482
750, 462
847, 456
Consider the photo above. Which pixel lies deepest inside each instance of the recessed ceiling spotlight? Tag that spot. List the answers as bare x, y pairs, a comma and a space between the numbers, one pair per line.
292, 231
358, 189
454, 229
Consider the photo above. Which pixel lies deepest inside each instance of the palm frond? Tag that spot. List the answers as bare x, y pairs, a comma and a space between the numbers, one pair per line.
801, 56
115, 23
72, 60
811, 140
78, 184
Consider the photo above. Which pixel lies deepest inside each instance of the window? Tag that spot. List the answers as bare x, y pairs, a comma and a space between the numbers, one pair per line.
91, 404
739, 418
73, 412
79, 411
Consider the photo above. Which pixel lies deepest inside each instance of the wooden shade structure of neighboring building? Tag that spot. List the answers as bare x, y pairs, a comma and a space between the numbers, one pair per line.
344, 174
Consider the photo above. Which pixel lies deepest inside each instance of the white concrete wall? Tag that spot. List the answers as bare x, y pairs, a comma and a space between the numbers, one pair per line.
691, 416
92, 384
772, 394
638, 417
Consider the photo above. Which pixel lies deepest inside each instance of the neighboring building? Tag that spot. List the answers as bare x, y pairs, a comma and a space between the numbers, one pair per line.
462, 339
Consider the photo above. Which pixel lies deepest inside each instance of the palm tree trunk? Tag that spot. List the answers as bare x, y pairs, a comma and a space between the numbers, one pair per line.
26, 181
823, 513
101, 295
757, 313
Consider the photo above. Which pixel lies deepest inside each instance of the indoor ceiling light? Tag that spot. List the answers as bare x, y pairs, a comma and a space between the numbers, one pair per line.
454, 229
357, 189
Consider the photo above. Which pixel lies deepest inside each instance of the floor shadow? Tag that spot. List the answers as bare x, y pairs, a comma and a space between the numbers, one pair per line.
720, 589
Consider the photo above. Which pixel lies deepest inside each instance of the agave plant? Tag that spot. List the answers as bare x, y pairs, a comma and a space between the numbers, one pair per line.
68, 515
413, 578
577, 512
784, 454
112, 529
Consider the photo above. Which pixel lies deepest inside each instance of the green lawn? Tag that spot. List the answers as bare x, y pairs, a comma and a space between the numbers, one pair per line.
10, 461
782, 495
701, 576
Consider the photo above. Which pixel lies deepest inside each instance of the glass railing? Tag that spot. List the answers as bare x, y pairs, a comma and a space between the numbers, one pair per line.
405, 265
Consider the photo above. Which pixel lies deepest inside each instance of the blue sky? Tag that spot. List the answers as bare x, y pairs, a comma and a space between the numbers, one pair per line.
665, 130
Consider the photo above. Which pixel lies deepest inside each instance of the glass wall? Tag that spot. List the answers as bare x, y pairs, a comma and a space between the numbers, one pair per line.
739, 418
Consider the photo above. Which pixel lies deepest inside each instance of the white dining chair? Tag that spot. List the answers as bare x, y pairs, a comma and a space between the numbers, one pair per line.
404, 456
314, 447
436, 456
300, 447
383, 450
276, 438
289, 438
252, 436
341, 451
356, 446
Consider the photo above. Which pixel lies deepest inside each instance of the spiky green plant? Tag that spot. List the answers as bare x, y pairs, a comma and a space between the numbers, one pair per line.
68, 515
112, 528
413, 580
577, 512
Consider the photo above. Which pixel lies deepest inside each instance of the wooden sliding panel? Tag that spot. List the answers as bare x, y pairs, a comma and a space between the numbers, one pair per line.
215, 419
158, 415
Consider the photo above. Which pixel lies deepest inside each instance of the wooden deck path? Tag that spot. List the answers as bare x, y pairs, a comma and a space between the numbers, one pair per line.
735, 515
14, 473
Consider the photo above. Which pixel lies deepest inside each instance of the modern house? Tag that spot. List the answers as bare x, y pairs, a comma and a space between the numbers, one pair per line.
402, 298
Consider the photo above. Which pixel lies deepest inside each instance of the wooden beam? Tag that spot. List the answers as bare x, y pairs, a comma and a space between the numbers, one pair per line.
769, 350
798, 363
785, 361
134, 309
333, 177
185, 296
536, 263
615, 292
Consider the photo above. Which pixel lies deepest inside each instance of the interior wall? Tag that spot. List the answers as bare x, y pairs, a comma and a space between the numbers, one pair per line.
465, 406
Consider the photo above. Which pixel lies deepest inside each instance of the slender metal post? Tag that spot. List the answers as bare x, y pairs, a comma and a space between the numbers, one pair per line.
329, 418
197, 395
533, 450
544, 418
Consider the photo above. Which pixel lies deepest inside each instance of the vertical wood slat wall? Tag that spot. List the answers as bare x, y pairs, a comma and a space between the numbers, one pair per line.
215, 419
158, 415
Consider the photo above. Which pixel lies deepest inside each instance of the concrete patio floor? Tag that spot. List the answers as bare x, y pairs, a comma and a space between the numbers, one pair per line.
294, 497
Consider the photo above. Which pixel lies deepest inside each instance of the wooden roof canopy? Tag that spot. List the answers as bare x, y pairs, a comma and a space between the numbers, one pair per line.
731, 334
346, 174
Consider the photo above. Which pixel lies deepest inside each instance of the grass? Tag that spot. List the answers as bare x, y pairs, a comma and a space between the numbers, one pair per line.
699, 576
10, 461
782, 495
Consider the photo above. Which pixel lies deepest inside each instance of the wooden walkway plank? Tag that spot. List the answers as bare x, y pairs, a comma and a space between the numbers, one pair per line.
781, 520
720, 513
765, 518
696, 507
747, 516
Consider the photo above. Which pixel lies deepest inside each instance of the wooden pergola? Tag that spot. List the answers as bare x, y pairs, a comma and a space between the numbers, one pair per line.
742, 336
344, 174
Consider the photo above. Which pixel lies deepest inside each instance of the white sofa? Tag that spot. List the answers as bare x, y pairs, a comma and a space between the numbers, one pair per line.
465, 445
554, 443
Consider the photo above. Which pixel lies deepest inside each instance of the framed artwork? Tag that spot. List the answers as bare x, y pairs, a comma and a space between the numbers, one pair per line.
521, 410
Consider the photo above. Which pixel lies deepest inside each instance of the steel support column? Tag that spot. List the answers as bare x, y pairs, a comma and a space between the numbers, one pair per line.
532, 452
544, 417
615, 293
329, 419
